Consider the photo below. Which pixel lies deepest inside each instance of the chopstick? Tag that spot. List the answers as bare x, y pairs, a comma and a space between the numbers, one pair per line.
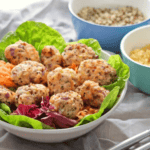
144, 147
131, 141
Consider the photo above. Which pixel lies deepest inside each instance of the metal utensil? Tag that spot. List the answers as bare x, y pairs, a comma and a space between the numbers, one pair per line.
133, 140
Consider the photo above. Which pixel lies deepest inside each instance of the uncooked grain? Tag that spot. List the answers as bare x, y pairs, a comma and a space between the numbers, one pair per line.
142, 55
120, 16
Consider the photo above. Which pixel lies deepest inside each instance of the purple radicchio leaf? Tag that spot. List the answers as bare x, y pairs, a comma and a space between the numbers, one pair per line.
60, 121
29, 110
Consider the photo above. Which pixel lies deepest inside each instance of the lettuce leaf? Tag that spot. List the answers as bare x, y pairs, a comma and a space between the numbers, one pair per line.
22, 121
90, 43
39, 35
5, 108
36, 33
9, 38
123, 72
108, 103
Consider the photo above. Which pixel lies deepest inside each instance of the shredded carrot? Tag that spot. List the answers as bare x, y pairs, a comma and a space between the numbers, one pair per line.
87, 110
2, 62
74, 67
5, 71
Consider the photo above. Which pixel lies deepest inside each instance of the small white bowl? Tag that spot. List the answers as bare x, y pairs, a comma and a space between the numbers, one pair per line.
60, 135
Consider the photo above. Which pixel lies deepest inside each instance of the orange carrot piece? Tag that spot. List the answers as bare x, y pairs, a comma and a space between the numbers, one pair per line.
74, 67
5, 74
2, 62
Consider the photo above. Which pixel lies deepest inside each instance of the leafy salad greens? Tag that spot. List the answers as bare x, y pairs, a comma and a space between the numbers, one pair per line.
39, 35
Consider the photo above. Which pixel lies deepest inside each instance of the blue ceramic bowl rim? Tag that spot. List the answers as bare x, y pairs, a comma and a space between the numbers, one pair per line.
70, 9
122, 45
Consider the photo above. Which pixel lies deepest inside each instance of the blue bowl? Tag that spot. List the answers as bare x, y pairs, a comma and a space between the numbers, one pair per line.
139, 74
109, 37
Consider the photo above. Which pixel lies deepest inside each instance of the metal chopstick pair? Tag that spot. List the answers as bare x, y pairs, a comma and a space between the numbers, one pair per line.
133, 140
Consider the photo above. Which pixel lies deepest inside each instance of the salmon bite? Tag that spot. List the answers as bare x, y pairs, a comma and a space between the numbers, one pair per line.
31, 94
97, 70
21, 51
51, 58
62, 80
76, 53
29, 72
67, 103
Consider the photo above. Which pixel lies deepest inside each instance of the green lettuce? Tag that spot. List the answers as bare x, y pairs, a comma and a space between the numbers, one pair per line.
9, 38
108, 103
5, 108
39, 35
93, 43
36, 33
123, 72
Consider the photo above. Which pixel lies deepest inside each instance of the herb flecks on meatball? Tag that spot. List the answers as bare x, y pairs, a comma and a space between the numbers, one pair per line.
31, 94
29, 72
75, 53
61, 80
96, 70
67, 104
21, 51
51, 58
6, 95
91, 93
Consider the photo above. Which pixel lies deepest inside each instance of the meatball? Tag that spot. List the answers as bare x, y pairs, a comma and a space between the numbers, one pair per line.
31, 94
29, 71
75, 53
6, 96
67, 104
62, 80
91, 93
21, 51
51, 57
97, 70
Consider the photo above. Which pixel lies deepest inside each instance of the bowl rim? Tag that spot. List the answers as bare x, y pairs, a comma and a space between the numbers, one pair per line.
72, 129
122, 43
74, 14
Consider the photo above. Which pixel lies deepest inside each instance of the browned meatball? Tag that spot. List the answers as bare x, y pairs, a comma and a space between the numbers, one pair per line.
97, 70
67, 104
31, 94
29, 71
62, 80
51, 57
75, 53
6, 95
21, 51
91, 93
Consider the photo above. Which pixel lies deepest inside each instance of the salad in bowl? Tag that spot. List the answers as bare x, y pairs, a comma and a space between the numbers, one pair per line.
47, 83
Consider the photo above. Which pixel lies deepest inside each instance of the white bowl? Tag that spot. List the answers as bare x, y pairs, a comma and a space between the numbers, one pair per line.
60, 135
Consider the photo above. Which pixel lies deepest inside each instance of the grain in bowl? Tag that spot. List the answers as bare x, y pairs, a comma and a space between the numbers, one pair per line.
141, 55
120, 16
